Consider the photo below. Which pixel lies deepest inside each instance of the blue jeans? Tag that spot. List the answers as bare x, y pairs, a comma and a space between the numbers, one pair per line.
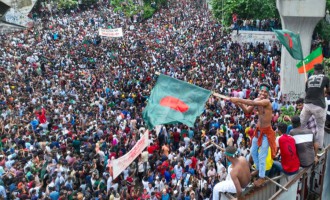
259, 158
276, 169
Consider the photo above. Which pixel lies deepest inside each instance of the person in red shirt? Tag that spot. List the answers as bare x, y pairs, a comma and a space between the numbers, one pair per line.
193, 162
145, 195
151, 148
42, 116
130, 182
176, 139
289, 157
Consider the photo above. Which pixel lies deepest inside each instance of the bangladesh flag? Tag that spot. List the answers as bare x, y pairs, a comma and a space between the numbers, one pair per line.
314, 58
172, 101
291, 41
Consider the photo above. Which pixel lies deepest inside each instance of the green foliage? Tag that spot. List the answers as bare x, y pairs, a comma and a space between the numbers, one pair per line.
127, 7
252, 9
290, 111
67, 4
148, 11
323, 28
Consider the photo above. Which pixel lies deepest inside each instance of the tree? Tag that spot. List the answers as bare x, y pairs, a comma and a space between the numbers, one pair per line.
128, 7
252, 9
322, 30
67, 4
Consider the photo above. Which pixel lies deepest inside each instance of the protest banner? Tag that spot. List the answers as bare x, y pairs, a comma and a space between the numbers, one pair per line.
120, 164
116, 32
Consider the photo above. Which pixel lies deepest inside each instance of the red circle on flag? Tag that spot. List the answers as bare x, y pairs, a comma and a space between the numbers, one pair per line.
174, 103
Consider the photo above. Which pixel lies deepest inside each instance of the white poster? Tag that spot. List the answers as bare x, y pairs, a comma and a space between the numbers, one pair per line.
116, 32
120, 164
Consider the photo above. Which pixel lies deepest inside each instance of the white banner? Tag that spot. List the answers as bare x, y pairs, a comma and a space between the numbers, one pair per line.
120, 164
116, 32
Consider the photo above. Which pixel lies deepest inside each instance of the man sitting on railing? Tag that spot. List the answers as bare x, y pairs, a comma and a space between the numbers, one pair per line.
287, 145
305, 143
238, 176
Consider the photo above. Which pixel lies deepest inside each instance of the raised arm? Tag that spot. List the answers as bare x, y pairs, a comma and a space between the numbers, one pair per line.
246, 109
256, 102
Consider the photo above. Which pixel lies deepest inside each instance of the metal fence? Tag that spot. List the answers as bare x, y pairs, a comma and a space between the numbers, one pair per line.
310, 183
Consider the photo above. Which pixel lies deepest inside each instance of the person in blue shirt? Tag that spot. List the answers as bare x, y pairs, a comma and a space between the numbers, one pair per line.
34, 195
275, 105
167, 176
165, 195
151, 177
54, 195
34, 123
190, 133
3, 192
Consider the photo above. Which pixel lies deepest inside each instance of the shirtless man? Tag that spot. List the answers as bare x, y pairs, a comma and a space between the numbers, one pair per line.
264, 135
238, 175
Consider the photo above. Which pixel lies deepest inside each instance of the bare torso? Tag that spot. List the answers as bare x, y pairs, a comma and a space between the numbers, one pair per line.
242, 171
265, 115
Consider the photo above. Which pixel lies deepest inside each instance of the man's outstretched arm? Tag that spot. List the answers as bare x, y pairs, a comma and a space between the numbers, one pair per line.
256, 102
246, 109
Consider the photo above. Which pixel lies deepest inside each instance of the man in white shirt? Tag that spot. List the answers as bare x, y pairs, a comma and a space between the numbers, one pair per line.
145, 157
150, 189
211, 172
217, 155
178, 170
109, 182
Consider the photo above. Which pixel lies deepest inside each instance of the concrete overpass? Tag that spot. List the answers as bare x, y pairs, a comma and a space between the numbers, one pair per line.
14, 15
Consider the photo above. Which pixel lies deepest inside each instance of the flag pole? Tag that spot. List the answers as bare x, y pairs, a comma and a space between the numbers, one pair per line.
304, 70
220, 96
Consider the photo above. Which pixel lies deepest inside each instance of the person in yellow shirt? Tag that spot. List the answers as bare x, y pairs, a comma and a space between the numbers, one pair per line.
272, 167
246, 131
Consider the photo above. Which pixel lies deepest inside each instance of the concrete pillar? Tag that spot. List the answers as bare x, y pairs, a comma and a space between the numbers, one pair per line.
299, 16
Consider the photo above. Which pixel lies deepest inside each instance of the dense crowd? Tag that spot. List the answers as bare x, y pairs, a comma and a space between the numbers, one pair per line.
64, 91
259, 25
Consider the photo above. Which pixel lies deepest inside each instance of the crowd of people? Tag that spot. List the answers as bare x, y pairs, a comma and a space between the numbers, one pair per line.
259, 25
71, 101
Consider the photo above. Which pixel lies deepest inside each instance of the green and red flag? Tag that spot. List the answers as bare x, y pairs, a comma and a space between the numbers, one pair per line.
291, 41
172, 101
313, 58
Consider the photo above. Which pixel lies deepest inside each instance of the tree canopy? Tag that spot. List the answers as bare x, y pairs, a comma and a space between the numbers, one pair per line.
256, 9
251, 9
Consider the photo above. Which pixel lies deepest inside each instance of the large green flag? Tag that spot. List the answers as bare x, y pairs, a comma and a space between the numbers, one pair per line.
291, 41
172, 101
